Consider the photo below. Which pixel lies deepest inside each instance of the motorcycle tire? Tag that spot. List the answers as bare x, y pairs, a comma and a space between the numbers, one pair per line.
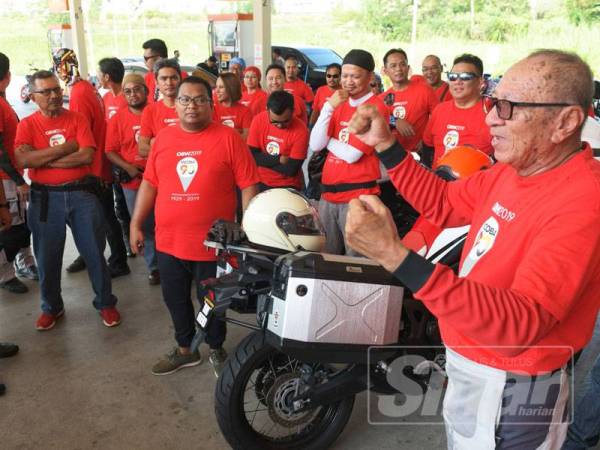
254, 355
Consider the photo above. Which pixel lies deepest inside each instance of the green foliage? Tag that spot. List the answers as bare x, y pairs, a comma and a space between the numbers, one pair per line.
583, 11
391, 19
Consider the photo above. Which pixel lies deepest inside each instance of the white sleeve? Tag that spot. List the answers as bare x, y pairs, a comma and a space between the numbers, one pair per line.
344, 151
319, 136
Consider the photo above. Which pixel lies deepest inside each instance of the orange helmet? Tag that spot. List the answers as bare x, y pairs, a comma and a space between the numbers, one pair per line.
461, 162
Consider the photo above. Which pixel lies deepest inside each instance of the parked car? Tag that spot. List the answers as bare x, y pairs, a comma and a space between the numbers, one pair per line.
312, 60
137, 65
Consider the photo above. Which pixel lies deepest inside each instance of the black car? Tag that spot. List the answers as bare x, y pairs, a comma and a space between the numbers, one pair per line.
312, 60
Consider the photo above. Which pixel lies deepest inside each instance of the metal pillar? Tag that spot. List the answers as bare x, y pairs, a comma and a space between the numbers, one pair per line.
262, 34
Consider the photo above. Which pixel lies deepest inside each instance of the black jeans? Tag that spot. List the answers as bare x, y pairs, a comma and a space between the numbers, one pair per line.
121, 210
114, 234
176, 276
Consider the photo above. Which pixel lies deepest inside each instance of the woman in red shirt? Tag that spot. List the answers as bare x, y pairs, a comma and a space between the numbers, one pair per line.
254, 97
228, 109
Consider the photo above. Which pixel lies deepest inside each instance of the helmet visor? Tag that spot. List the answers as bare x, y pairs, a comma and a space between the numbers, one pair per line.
306, 224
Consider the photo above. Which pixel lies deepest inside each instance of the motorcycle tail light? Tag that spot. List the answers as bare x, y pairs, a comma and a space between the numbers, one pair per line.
232, 260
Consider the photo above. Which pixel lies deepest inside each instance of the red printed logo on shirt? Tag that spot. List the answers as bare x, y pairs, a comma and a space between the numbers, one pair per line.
399, 112
57, 139
451, 139
187, 169
273, 148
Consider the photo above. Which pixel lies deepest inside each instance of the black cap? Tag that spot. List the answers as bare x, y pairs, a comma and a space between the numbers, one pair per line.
360, 58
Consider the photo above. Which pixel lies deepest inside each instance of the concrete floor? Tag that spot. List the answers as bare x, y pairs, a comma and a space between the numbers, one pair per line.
82, 385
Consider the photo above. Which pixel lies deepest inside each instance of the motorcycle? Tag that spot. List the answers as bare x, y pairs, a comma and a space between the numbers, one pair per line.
327, 328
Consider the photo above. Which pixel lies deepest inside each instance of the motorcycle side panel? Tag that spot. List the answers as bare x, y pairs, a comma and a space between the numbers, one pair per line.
337, 312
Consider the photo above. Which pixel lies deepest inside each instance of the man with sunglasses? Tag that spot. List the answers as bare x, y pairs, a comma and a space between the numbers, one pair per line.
190, 181
279, 142
526, 294
462, 120
57, 146
409, 102
333, 74
154, 50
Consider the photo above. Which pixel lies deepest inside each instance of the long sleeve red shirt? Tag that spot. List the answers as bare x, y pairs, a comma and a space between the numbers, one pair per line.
530, 269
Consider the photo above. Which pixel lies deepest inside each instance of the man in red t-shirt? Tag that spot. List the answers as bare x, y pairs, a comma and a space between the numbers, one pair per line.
333, 74
162, 113
84, 98
295, 85
275, 80
432, 72
122, 150
190, 181
351, 168
462, 120
154, 50
409, 102
110, 77
526, 295
278, 142
16, 251
57, 146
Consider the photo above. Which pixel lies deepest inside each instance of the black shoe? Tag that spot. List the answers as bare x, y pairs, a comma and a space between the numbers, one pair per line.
7, 350
76, 266
15, 286
154, 278
130, 254
2, 389
119, 271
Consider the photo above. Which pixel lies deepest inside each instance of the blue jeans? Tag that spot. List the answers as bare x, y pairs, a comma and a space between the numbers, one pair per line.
147, 228
83, 213
584, 432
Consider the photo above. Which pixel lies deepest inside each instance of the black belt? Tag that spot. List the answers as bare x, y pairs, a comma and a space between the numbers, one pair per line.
343, 187
88, 184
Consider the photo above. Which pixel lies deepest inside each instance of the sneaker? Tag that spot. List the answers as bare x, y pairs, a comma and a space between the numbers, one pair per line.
7, 350
119, 271
15, 286
47, 320
174, 361
31, 273
110, 316
217, 358
76, 266
154, 278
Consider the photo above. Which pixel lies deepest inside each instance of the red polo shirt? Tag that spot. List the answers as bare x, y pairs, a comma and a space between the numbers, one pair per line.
8, 130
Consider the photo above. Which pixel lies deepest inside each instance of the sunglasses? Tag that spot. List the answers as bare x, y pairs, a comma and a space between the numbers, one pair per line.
504, 108
462, 76
332, 75
47, 92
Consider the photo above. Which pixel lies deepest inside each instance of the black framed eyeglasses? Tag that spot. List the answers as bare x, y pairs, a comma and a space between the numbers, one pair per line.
184, 100
332, 75
504, 108
462, 76
135, 90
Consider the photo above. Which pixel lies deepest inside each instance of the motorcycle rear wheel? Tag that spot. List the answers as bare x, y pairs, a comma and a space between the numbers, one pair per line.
256, 381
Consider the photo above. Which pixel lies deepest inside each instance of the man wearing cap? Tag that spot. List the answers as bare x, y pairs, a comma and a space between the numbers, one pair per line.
432, 72
237, 66
122, 150
351, 168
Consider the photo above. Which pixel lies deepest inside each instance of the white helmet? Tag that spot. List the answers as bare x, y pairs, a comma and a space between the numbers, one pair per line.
284, 219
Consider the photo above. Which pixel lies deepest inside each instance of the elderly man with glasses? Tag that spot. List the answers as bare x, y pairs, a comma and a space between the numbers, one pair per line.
57, 146
526, 294
190, 180
462, 120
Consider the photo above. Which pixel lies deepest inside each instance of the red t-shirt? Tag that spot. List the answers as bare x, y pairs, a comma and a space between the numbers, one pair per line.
291, 141
157, 116
8, 130
533, 241
414, 104
444, 89
338, 171
256, 102
450, 126
235, 116
196, 175
84, 98
300, 110
42, 132
113, 103
122, 137
300, 89
151, 85
322, 95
